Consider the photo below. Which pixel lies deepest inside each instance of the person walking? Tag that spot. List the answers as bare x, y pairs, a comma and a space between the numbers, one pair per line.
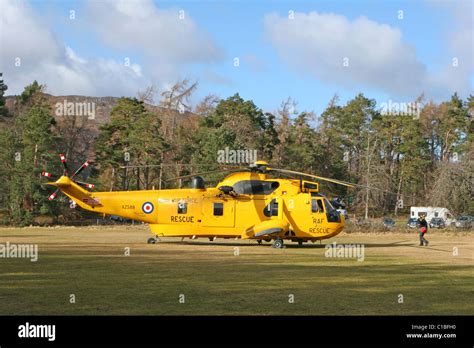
423, 226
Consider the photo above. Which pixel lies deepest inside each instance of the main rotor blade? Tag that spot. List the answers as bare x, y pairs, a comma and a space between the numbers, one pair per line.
375, 188
339, 182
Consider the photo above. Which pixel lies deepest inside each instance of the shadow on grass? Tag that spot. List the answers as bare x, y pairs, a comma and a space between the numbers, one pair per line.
6, 236
289, 245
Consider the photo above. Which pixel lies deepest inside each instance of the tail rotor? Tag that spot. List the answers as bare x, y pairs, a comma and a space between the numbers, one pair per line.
79, 170
63, 161
53, 195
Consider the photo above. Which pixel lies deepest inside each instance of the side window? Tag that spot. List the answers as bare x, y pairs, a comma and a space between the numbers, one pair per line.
314, 206
271, 209
218, 209
182, 208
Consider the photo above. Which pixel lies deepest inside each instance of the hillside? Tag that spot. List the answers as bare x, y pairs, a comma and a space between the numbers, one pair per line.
103, 106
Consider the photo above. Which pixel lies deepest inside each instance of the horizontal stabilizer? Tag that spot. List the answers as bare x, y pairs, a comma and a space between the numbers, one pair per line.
75, 192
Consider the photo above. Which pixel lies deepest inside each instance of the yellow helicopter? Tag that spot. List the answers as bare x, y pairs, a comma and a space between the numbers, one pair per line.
247, 204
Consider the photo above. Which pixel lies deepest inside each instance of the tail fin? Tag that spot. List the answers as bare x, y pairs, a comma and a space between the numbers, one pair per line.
79, 195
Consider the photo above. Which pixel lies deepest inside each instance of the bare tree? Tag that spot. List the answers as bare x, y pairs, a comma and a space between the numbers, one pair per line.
207, 105
284, 113
177, 96
147, 96
175, 100
454, 185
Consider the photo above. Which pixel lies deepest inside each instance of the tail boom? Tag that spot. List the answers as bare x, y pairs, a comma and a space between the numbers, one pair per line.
127, 204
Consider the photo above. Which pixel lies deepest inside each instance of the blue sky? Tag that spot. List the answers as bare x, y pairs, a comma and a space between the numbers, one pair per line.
420, 55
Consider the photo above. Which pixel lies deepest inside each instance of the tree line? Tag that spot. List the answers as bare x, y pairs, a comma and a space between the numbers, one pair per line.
420, 158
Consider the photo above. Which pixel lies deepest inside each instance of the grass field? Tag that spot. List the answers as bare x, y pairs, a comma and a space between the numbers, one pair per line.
90, 262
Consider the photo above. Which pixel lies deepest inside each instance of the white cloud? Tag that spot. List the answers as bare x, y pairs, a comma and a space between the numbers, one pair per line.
45, 59
163, 35
320, 43
24, 35
461, 46
164, 42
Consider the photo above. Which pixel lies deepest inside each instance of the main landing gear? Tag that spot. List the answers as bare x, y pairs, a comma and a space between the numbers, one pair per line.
153, 240
278, 244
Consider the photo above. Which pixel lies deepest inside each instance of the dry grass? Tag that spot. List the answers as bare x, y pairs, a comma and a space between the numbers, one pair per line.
89, 262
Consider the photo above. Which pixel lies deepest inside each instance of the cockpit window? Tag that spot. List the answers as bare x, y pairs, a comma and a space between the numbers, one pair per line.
317, 206
320, 205
332, 214
255, 187
328, 205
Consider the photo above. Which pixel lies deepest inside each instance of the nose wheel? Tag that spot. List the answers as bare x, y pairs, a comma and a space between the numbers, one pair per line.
278, 244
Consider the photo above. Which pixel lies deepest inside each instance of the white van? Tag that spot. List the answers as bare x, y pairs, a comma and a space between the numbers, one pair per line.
433, 212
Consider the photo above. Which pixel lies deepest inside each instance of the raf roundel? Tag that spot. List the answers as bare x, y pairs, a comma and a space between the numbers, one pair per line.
147, 207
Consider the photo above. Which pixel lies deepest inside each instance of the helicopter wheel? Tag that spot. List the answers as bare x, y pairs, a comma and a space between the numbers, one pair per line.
152, 240
278, 243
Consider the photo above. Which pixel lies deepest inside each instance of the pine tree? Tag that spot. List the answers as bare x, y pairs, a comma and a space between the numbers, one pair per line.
132, 137
237, 124
3, 88
30, 150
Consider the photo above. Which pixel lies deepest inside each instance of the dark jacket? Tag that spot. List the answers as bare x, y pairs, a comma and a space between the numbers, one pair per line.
422, 223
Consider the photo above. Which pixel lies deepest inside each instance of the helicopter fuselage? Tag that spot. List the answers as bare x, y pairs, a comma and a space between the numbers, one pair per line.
245, 205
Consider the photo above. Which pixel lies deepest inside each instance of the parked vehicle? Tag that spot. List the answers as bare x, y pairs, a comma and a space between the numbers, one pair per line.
363, 223
432, 212
412, 223
464, 222
120, 219
388, 223
344, 212
437, 223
